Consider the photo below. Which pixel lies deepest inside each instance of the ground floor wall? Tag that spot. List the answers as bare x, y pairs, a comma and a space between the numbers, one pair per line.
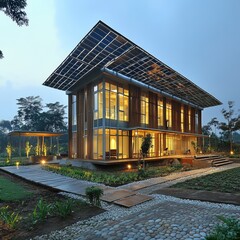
109, 144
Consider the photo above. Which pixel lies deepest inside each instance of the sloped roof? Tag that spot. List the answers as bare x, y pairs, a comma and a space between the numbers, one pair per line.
105, 48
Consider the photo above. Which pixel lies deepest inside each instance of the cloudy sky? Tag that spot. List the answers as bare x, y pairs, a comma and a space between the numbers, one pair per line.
200, 39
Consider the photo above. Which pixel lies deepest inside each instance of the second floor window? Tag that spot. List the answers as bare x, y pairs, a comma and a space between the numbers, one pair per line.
144, 109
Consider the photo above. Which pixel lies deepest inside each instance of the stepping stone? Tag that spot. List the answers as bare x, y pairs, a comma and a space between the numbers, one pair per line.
133, 200
117, 194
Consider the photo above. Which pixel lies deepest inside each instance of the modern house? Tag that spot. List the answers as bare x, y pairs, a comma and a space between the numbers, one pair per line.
118, 93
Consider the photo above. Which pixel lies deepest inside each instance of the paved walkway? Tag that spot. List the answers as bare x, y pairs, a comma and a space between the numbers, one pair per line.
36, 174
163, 217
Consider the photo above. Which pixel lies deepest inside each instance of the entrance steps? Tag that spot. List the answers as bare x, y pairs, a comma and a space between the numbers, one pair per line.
214, 160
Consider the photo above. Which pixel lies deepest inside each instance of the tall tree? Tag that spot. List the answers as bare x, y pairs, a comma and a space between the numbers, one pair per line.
29, 111
32, 117
15, 10
232, 123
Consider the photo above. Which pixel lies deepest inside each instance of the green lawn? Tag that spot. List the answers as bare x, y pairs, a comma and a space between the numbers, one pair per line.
10, 191
226, 181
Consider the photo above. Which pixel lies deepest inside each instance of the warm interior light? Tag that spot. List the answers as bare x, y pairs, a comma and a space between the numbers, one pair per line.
200, 152
43, 161
129, 166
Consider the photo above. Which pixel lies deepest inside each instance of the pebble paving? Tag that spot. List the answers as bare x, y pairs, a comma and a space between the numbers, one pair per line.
164, 217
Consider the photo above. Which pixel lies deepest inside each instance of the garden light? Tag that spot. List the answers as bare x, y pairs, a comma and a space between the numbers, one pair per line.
17, 164
43, 162
129, 166
231, 152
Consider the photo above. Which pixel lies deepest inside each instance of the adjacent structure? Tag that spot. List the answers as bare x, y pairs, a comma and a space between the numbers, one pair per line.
118, 93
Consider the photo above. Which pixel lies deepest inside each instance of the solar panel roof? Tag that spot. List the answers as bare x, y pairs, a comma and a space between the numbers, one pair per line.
105, 48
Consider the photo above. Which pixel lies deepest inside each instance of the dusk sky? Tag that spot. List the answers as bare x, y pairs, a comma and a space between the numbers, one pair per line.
198, 38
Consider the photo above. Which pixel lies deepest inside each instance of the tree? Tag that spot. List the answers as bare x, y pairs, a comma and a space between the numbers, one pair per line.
232, 123
146, 144
55, 116
32, 117
29, 111
15, 10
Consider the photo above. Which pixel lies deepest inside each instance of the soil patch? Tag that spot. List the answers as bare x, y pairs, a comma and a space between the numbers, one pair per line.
202, 195
25, 207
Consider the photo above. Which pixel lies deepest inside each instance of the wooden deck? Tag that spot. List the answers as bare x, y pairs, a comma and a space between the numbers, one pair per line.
130, 160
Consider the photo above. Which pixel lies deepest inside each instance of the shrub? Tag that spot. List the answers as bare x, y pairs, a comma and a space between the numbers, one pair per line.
11, 219
41, 211
93, 195
229, 229
64, 208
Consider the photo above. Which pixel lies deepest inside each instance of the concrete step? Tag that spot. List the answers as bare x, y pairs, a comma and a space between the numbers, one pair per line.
221, 162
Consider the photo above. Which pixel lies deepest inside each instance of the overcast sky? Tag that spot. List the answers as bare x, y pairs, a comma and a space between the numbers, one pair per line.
198, 38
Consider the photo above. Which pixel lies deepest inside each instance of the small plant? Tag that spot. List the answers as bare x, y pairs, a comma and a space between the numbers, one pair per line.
93, 195
64, 208
229, 229
11, 219
9, 150
41, 211
28, 148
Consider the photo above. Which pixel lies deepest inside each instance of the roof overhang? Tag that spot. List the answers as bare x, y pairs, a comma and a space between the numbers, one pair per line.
34, 134
104, 48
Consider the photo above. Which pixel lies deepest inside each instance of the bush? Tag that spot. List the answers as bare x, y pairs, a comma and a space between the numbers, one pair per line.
41, 211
11, 219
93, 195
229, 229
64, 208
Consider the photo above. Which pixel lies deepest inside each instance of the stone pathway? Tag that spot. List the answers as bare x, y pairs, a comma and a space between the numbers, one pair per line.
36, 174
164, 217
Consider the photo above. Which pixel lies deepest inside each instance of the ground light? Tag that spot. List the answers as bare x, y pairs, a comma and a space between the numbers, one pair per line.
43, 162
231, 152
129, 166
17, 164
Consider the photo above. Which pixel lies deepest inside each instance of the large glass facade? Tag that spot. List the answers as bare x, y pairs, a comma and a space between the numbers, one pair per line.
110, 136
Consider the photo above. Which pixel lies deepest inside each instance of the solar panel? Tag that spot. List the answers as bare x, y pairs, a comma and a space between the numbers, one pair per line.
103, 47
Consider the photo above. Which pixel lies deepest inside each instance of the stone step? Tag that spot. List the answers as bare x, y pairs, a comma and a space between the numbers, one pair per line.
218, 163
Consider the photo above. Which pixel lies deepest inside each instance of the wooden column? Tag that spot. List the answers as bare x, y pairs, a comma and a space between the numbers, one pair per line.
193, 120
134, 106
199, 121
164, 114
80, 124
130, 144
70, 126
153, 110
90, 121
186, 129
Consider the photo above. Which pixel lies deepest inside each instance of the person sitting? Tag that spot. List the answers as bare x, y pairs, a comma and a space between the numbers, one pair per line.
165, 152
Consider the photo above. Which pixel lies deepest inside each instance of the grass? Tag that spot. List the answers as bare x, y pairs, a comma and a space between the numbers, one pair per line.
226, 181
111, 178
5, 162
10, 191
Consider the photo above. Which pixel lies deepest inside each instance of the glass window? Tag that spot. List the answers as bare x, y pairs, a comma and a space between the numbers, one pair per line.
189, 119
160, 112
182, 118
144, 109
169, 113
196, 121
